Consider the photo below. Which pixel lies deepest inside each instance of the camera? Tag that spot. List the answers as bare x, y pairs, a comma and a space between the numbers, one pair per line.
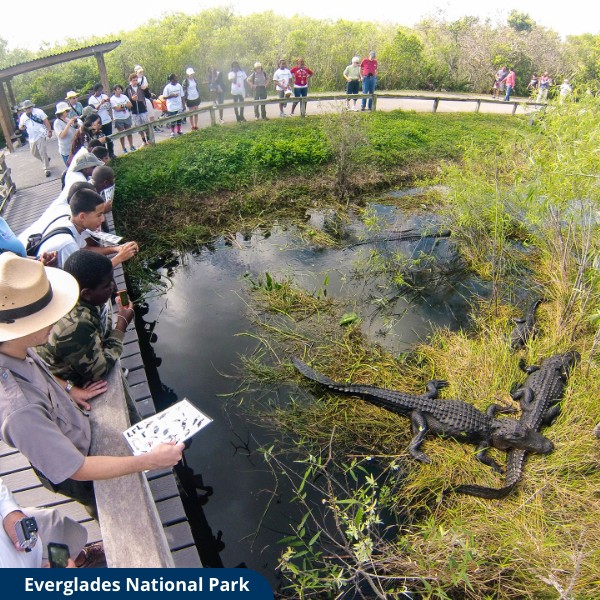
26, 530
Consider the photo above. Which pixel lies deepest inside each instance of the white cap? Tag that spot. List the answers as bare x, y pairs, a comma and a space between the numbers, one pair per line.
257, 65
189, 71
355, 59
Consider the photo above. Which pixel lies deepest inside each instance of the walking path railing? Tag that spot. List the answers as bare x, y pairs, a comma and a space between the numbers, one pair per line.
212, 109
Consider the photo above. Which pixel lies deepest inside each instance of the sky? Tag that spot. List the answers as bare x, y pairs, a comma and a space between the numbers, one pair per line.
42, 22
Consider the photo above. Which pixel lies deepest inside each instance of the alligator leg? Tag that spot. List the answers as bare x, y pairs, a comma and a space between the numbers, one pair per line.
495, 409
419, 428
525, 396
482, 456
551, 414
528, 370
434, 386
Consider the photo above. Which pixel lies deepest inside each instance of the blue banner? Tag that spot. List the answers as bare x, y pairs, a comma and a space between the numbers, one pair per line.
71, 584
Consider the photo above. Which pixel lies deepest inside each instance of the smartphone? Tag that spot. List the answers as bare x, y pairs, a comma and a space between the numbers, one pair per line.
124, 297
58, 555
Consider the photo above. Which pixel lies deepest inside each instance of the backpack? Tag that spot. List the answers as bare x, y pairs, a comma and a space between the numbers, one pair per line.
35, 240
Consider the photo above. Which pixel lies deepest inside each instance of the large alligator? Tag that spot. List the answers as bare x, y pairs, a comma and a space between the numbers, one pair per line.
453, 418
539, 397
525, 327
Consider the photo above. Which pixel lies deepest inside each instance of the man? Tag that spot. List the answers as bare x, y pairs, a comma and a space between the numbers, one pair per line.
282, 78
52, 527
75, 107
72, 233
139, 109
101, 102
500, 77
84, 346
368, 70
35, 122
37, 416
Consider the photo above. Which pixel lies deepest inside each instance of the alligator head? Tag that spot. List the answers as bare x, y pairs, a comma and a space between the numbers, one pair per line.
510, 433
566, 361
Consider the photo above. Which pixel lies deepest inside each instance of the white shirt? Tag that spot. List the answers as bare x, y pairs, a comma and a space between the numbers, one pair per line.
174, 104
35, 130
192, 89
64, 244
10, 557
120, 103
237, 79
64, 144
282, 77
104, 110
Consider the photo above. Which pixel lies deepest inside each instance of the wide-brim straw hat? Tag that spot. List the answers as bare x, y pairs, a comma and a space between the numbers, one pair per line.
32, 296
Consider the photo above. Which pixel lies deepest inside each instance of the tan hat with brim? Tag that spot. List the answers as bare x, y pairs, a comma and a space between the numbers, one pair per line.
32, 296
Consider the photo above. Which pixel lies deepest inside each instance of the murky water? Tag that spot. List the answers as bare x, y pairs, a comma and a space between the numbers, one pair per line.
195, 327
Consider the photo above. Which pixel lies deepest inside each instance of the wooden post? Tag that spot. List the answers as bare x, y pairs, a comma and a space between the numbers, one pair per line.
103, 73
11, 94
150, 133
213, 117
436, 102
514, 110
6, 119
303, 107
374, 101
478, 106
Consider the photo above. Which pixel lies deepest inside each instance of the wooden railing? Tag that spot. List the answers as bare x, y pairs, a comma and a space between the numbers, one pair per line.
303, 102
7, 186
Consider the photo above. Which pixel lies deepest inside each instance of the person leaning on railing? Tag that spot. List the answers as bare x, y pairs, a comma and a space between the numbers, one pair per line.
37, 416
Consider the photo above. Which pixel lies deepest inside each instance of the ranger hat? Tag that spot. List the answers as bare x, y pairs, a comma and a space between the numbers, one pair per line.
32, 296
72, 94
62, 107
27, 104
86, 160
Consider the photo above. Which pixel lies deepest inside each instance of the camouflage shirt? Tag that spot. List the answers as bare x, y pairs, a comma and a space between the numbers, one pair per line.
83, 347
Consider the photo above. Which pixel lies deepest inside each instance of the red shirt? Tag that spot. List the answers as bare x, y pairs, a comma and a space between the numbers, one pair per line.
511, 79
301, 75
368, 67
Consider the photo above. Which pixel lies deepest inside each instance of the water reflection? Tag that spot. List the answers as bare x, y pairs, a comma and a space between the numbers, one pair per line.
194, 342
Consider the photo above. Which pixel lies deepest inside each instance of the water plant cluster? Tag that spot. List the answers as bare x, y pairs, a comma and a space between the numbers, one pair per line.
523, 201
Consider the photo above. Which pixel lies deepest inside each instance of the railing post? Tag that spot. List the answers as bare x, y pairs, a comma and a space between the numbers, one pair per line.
302, 107
150, 133
436, 102
374, 101
213, 117
514, 110
478, 106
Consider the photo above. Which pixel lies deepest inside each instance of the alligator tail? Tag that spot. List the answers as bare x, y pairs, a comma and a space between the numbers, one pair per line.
312, 374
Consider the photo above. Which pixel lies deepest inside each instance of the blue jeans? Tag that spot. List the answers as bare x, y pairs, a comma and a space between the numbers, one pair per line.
369, 85
508, 92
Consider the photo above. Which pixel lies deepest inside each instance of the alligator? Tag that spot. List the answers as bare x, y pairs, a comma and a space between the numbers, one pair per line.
525, 327
453, 418
539, 397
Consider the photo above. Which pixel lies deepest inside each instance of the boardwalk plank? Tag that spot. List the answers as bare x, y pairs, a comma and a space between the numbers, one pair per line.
171, 510
187, 558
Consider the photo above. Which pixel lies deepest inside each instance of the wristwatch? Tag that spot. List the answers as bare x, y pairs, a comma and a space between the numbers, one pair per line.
70, 385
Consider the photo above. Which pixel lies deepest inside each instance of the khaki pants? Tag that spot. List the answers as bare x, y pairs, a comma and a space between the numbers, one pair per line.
39, 150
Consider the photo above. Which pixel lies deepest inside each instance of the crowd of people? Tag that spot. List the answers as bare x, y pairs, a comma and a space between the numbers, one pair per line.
538, 87
135, 104
62, 327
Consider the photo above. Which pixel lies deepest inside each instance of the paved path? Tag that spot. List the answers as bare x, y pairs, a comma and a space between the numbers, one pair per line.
27, 171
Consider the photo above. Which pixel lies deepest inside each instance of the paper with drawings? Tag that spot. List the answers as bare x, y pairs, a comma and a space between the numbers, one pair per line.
177, 423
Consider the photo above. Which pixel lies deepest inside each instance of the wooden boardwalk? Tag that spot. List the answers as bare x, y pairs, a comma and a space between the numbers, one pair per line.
20, 211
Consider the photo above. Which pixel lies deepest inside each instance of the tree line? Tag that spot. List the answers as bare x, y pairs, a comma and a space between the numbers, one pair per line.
435, 54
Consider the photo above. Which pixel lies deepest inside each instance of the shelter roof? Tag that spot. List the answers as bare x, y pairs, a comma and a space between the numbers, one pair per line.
55, 59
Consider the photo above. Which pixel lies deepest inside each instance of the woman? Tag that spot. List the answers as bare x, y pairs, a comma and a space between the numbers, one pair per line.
121, 115
101, 102
65, 128
90, 129
39, 417
191, 95
237, 77
258, 80
173, 94
301, 75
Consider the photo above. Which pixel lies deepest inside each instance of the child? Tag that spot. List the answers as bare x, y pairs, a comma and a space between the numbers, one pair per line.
173, 94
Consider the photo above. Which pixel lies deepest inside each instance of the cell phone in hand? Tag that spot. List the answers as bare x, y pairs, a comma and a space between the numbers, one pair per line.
123, 297
58, 555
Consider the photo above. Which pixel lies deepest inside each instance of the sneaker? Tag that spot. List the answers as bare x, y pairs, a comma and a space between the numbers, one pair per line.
47, 172
172, 134
221, 122
124, 150
132, 149
282, 114
363, 108
265, 118
92, 555
180, 133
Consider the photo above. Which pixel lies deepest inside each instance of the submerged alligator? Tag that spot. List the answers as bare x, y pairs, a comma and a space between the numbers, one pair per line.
453, 418
525, 327
539, 397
